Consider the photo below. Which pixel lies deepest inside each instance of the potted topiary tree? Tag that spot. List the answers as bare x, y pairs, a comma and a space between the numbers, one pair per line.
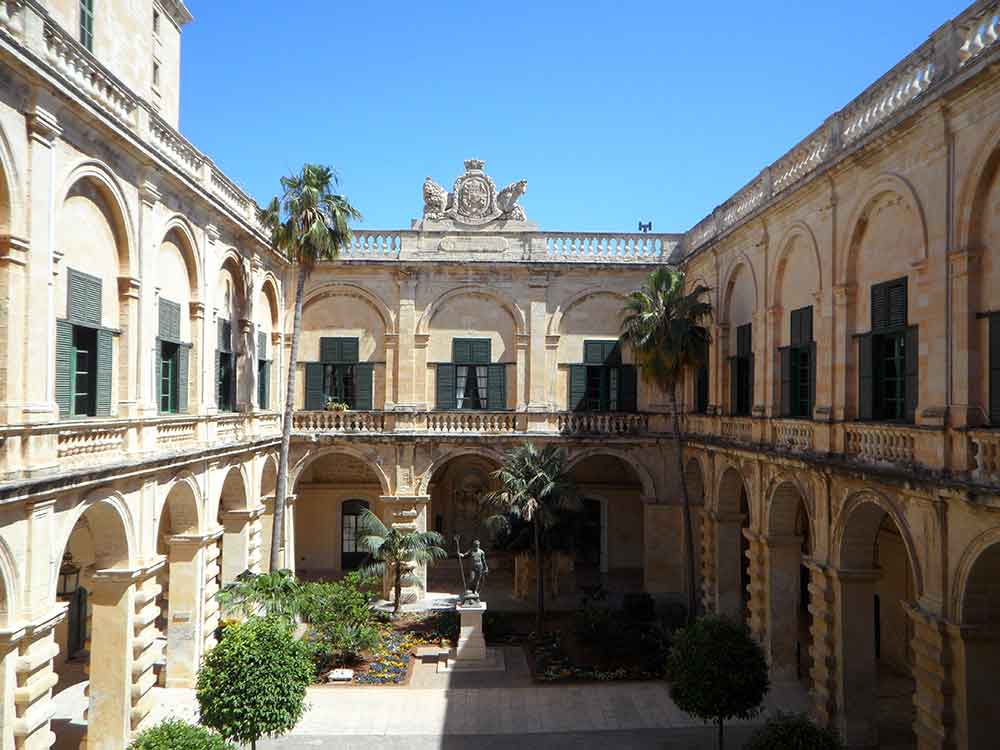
253, 684
717, 672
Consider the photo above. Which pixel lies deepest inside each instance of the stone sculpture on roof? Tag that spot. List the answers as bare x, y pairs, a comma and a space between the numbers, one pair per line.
474, 199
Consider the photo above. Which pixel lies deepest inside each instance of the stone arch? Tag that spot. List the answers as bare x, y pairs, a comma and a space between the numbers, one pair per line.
972, 199
12, 218
10, 592
798, 230
423, 486
341, 288
370, 460
502, 298
271, 290
108, 186
555, 322
180, 227
645, 478
978, 574
694, 476
111, 526
183, 501
785, 496
235, 491
269, 476
857, 526
233, 263
741, 262
727, 490
886, 183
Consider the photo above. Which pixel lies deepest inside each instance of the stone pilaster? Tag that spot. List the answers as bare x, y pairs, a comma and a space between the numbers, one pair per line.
823, 678
185, 619
146, 646
26, 654
783, 556
975, 662
135, 382
855, 677
390, 343
533, 384
933, 667
13, 284
757, 595
708, 584
406, 392
237, 551
772, 364
843, 299
196, 394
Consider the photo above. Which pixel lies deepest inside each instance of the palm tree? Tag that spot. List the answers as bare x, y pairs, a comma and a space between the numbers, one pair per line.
396, 551
534, 486
276, 594
308, 224
665, 328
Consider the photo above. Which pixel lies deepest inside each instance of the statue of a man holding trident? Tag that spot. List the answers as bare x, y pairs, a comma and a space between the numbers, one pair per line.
479, 568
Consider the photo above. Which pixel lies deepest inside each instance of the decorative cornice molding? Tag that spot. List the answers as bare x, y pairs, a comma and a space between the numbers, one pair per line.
177, 11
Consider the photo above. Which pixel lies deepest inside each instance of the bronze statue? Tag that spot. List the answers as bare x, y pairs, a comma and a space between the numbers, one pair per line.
480, 568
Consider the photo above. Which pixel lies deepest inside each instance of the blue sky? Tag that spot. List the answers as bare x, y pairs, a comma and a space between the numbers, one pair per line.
613, 111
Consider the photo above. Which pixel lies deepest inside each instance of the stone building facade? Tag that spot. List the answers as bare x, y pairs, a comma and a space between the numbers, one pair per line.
842, 443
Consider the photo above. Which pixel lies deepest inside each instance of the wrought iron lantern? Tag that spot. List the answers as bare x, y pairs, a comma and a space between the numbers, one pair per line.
69, 576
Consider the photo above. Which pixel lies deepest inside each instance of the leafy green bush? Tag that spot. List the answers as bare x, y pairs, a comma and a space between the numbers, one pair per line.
445, 624
717, 671
275, 594
347, 600
253, 683
175, 734
793, 732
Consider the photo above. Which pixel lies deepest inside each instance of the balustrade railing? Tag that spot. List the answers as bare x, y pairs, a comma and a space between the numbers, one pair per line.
986, 454
739, 429
338, 421
177, 434
488, 422
87, 444
880, 443
603, 424
601, 246
374, 245
956, 44
792, 435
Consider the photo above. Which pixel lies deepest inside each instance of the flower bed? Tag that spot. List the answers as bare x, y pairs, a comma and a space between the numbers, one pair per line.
553, 664
389, 664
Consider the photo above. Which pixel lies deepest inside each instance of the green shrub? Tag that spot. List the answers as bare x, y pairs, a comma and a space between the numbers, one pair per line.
253, 683
717, 671
497, 625
175, 734
347, 600
793, 732
276, 594
639, 607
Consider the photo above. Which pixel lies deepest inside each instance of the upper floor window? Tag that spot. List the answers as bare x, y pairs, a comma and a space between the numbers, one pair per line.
701, 389
225, 368
156, 22
84, 351
87, 24
741, 372
173, 357
339, 377
994, 375
798, 367
263, 373
156, 74
888, 358
471, 380
602, 382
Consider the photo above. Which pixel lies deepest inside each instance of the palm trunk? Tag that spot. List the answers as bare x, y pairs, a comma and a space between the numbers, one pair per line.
398, 586
539, 578
281, 489
685, 508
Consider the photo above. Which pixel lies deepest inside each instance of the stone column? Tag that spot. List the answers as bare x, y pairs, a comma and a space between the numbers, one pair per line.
537, 373
843, 351
855, 671
109, 715
135, 383
390, 344
288, 546
783, 557
405, 389
822, 607
196, 393
976, 664
38, 370
772, 362
237, 531
266, 524
933, 669
13, 288
26, 654
521, 377
184, 619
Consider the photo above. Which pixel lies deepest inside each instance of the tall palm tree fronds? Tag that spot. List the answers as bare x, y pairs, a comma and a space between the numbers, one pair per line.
397, 552
535, 485
667, 329
276, 594
309, 223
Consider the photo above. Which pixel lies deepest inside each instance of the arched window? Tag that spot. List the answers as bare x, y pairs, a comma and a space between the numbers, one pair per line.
351, 554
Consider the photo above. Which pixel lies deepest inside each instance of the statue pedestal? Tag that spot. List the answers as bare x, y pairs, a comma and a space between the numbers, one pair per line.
471, 654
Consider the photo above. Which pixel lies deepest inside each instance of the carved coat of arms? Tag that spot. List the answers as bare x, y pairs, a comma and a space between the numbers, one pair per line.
474, 198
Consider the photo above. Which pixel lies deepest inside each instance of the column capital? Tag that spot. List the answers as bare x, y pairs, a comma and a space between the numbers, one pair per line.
212, 233
129, 286
197, 310
195, 540
32, 629
244, 514
411, 499
149, 193
43, 126
13, 250
128, 576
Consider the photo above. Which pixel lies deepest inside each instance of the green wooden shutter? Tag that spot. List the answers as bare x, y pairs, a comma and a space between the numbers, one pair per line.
880, 306
897, 303
461, 350
806, 325
866, 378
329, 349
796, 328
628, 388
261, 345
496, 387
994, 342
159, 373
812, 379
785, 365
170, 320
481, 351
183, 380
315, 400
105, 371
612, 353
64, 368
734, 385
364, 386
83, 303
577, 387
912, 353
218, 379
750, 376
349, 350
701, 390
593, 352
446, 386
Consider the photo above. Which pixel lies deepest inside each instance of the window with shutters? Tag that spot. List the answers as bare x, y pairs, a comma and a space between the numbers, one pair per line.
84, 351
797, 363
471, 380
173, 357
701, 390
339, 377
602, 382
263, 373
87, 24
741, 373
225, 379
994, 343
888, 357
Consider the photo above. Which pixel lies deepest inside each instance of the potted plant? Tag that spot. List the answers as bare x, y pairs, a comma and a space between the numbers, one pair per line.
333, 405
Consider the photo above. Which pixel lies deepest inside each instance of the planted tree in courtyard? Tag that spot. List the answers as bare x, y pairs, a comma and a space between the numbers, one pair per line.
535, 485
666, 328
396, 552
717, 672
253, 683
274, 594
309, 223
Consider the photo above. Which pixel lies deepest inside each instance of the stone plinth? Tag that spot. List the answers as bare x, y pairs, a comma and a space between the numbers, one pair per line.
471, 654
